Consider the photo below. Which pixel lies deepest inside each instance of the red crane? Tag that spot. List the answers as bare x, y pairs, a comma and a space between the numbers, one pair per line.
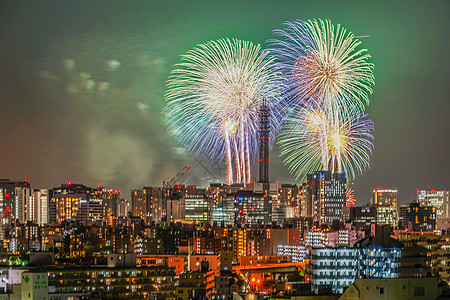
170, 183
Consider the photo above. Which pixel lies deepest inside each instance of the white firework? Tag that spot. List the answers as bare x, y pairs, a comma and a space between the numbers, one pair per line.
214, 97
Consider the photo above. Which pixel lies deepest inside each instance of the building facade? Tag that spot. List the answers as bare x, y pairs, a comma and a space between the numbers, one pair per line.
325, 196
252, 209
385, 202
415, 217
440, 200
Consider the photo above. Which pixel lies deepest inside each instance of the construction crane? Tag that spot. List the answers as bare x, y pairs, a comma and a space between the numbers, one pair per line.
170, 193
170, 183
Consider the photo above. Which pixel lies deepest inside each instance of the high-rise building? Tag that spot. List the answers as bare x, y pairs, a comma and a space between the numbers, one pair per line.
223, 212
123, 207
289, 197
76, 202
385, 202
197, 208
325, 196
25, 209
111, 201
252, 209
415, 217
271, 190
147, 204
40, 199
13, 196
438, 198
305, 211
363, 217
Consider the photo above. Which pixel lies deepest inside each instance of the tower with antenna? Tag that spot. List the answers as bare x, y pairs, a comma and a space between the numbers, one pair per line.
264, 116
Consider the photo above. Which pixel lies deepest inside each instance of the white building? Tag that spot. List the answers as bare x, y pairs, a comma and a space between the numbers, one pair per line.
296, 253
40, 206
334, 268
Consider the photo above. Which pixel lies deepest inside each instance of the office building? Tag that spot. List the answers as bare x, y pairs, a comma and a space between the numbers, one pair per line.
13, 197
439, 199
223, 212
325, 196
363, 217
76, 202
252, 209
415, 217
385, 202
197, 208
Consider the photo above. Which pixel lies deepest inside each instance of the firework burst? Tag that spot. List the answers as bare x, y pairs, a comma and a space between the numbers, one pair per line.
314, 140
321, 62
328, 83
214, 96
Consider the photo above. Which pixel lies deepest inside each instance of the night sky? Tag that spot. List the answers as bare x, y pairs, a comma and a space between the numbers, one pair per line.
82, 85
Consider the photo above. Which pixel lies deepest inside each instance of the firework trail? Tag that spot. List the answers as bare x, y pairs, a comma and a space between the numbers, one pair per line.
314, 140
214, 96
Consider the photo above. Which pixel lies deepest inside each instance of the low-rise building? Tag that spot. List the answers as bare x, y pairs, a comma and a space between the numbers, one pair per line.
191, 285
392, 288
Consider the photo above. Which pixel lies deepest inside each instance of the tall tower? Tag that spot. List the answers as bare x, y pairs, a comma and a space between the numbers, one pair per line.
264, 115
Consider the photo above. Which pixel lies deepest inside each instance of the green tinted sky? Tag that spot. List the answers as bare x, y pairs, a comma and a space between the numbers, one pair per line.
57, 127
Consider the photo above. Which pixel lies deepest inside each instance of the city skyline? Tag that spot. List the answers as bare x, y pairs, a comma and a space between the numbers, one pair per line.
82, 97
